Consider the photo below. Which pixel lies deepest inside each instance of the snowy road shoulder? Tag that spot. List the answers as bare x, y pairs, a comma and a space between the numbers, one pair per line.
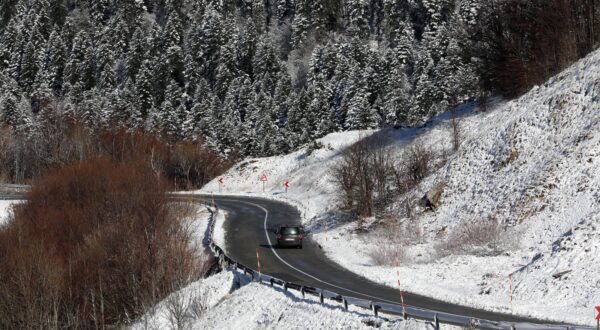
219, 232
256, 306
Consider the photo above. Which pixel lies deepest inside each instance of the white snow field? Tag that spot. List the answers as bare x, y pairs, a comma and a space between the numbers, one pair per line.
256, 306
531, 164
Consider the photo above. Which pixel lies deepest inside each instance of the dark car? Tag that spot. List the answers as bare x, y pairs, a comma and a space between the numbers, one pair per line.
289, 236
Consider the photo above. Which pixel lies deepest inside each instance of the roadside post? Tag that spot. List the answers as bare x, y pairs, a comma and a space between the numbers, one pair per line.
263, 179
287, 185
598, 318
220, 184
258, 264
510, 290
400, 287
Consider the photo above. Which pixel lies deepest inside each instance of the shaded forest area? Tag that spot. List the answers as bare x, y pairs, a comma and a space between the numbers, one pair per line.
263, 77
531, 41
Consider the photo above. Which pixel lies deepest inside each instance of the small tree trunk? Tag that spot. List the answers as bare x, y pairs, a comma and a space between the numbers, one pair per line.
455, 132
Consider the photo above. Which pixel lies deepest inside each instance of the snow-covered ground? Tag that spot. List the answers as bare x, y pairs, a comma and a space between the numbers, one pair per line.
212, 303
530, 164
219, 232
5, 211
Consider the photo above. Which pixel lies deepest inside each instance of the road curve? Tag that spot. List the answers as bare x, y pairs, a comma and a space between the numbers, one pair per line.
247, 227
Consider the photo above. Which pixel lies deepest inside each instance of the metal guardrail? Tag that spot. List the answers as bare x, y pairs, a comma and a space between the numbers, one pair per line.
11, 197
15, 186
11, 192
376, 306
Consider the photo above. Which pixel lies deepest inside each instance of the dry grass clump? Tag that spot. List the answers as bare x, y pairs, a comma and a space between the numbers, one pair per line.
480, 237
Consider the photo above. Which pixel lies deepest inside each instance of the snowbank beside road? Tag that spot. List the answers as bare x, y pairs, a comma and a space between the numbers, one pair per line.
219, 232
256, 306
184, 307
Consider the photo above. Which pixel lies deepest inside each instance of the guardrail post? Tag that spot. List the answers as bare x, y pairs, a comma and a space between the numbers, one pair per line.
302, 291
436, 322
345, 302
272, 281
221, 261
404, 315
285, 286
321, 298
374, 308
512, 327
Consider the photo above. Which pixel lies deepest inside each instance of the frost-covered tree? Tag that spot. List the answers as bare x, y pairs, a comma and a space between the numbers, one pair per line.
229, 73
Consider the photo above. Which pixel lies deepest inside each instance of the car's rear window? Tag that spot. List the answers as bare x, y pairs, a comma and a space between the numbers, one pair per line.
289, 230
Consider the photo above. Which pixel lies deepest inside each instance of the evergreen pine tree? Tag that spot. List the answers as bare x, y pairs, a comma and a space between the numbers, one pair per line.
144, 87
138, 48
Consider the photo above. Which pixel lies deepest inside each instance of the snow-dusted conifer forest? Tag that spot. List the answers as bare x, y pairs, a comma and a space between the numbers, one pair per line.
261, 78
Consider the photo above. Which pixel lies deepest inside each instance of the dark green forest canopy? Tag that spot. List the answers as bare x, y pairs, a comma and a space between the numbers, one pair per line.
262, 77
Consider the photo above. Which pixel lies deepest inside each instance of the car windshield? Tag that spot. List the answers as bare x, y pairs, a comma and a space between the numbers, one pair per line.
289, 230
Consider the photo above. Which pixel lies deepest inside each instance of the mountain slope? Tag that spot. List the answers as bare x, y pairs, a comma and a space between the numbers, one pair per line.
530, 165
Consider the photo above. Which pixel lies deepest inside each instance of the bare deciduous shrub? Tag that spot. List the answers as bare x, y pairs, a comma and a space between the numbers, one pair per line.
387, 255
354, 177
480, 237
369, 178
184, 306
59, 142
364, 175
96, 243
412, 167
393, 238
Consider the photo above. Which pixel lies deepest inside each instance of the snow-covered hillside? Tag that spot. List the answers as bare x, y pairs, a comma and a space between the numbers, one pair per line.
307, 172
530, 164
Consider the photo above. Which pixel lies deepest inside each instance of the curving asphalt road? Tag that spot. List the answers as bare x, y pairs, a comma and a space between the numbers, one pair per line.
247, 227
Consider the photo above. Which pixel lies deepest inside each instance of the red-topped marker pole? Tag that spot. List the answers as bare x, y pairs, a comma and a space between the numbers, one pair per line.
221, 181
598, 318
400, 287
258, 263
263, 179
287, 185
